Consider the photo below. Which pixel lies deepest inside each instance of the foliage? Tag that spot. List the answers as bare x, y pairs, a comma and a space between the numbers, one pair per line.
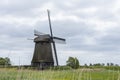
5, 61
98, 64
73, 62
115, 68
110, 64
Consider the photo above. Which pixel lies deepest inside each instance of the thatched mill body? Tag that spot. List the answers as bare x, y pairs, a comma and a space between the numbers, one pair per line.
45, 54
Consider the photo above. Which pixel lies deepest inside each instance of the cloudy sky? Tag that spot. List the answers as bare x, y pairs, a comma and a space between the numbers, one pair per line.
91, 29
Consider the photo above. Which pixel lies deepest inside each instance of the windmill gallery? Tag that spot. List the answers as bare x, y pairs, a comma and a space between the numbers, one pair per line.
45, 54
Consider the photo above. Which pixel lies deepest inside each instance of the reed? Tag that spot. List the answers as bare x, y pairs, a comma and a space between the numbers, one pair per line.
79, 74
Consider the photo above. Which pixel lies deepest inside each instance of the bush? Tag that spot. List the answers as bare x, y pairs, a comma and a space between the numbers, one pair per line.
5, 62
73, 62
112, 68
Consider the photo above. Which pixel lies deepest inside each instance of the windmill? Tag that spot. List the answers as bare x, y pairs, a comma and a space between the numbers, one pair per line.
45, 54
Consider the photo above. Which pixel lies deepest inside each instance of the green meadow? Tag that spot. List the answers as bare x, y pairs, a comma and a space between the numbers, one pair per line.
78, 74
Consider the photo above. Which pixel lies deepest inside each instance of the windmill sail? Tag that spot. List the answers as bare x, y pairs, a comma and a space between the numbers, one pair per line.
54, 46
59, 40
37, 33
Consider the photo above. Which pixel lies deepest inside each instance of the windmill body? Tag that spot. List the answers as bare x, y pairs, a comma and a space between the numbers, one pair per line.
42, 57
43, 51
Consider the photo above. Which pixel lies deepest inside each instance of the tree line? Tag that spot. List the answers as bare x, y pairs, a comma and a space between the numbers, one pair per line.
72, 62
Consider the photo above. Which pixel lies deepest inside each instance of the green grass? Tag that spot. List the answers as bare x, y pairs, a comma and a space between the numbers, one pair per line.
79, 74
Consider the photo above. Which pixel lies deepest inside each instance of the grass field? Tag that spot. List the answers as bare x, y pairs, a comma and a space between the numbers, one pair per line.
79, 74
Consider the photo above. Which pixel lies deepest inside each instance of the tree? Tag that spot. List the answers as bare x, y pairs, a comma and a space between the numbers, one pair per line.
103, 64
90, 64
111, 64
2, 61
8, 62
85, 65
108, 64
73, 62
5, 61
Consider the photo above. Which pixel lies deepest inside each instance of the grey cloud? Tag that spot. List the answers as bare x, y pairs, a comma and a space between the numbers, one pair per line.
106, 14
13, 30
109, 43
112, 37
72, 5
87, 3
21, 7
15, 37
71, 28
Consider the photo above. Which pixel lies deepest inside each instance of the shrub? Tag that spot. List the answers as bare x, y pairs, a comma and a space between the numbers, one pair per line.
73, 62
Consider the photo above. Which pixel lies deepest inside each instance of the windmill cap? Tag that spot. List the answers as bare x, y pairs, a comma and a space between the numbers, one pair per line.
42, 38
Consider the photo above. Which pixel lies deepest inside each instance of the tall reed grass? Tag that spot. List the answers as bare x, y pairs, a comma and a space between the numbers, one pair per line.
79, 74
